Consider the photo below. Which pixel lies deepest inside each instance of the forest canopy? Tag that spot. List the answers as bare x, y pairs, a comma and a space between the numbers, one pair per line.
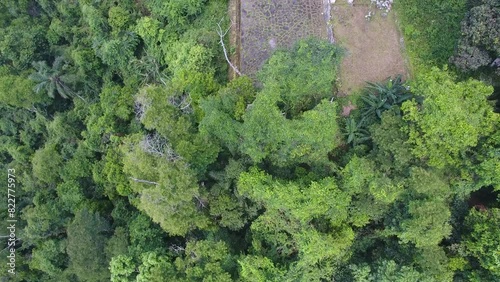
135, 158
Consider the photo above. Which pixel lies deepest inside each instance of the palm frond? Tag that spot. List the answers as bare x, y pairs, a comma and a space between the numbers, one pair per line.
58, 63
61, 90
39, 87
51, 89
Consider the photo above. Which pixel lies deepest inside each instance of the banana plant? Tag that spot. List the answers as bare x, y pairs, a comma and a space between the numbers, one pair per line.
355, 132
380, 97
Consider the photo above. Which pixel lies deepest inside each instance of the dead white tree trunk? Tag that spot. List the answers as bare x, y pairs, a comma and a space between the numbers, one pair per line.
144, 181
222, 34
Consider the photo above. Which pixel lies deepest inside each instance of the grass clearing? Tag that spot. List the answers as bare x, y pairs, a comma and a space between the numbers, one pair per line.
373, 48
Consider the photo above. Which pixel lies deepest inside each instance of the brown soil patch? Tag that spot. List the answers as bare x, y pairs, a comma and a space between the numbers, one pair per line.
373, 48
346, 110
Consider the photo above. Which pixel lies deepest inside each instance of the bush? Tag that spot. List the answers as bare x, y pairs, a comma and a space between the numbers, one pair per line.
431, 29
303, 75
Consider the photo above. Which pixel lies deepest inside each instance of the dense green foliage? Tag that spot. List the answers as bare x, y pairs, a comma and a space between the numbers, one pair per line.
479, 45
136, 160
431, 29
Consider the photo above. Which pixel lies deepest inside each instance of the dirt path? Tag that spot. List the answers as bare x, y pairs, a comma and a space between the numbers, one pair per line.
373, 48
234, 35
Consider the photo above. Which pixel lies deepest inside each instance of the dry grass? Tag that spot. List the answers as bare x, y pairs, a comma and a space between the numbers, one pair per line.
373, 48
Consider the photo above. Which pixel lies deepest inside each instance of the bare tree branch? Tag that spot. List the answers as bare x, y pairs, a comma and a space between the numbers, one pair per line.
142, 104
156, 145
182, 102
176, 249
144, 181
222, 34
201, 202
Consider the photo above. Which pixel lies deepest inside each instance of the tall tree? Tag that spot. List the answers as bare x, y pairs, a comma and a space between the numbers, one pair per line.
299, 224
16, 90
87, 236
52, 80
452, 119
481, 241
206, 260
303, 75
168, 190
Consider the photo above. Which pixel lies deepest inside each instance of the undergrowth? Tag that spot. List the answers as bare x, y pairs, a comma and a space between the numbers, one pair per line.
431, 29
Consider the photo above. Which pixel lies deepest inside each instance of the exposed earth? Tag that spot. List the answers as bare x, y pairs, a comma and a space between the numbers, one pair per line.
373, 47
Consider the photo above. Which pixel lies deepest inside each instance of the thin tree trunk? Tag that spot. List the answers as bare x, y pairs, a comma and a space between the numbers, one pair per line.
221, 42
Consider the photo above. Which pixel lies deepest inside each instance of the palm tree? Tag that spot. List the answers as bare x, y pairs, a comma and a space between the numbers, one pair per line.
53, 80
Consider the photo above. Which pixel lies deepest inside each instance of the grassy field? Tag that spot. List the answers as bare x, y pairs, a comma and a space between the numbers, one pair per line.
373, 48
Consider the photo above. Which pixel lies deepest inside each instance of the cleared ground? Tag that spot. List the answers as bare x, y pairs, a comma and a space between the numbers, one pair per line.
373, 48
269, 24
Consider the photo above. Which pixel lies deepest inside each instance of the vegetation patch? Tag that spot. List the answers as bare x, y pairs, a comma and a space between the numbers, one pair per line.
129, 157
431, 29
267, 25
